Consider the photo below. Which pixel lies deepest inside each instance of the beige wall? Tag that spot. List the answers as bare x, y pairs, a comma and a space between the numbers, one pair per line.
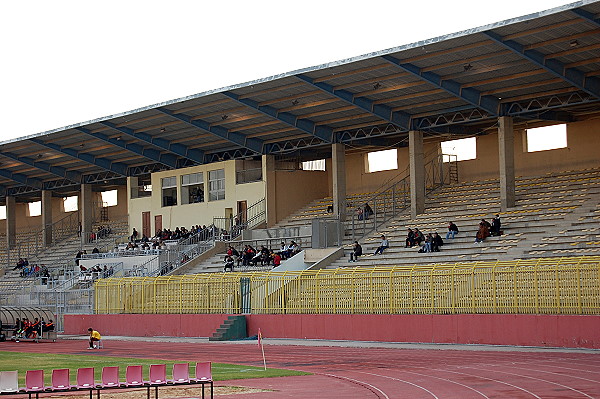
187, 215
297, 188
583, 146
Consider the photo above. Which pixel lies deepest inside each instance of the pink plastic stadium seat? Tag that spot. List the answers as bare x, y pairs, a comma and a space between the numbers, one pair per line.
61, 380
85, 378
134, 377
181, 373
9, 381
204, 376
110, 377
158, 374
34, 382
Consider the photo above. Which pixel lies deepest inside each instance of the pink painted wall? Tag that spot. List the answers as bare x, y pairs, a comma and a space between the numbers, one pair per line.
522, 330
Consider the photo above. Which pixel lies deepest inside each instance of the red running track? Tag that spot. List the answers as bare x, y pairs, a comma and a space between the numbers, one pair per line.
354, 372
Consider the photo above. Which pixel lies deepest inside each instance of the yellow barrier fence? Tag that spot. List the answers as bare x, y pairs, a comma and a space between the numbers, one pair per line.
536, 286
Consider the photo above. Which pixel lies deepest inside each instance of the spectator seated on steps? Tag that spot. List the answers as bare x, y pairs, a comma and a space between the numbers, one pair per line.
385, 244
452, 230
356, 251
276, 259
410, 238
229, 262
419, 237
437, 242
483, 232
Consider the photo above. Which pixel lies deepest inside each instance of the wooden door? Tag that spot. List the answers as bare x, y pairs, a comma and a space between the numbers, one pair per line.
157, 223
242, 207
146, 224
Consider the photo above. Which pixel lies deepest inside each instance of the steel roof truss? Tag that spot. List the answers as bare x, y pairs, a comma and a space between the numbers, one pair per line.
240, 139
174, 148
324, 133
573, 76
20, 178
398, 118
104, 163
472, 96
154, 155
55, 170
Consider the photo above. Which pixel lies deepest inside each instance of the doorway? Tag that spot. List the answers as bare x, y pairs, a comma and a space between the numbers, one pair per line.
157, 223
146, 224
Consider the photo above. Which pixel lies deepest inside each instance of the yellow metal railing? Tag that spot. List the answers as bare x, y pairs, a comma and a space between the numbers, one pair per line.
536, 286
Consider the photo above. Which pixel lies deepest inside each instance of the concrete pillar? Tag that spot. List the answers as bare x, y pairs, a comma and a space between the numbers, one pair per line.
268, 173
87, 209
417, 173
506, 148
47, 217
11, 222
338, 155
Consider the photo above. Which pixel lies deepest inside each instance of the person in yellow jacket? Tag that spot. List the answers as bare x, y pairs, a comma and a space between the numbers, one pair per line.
94, 337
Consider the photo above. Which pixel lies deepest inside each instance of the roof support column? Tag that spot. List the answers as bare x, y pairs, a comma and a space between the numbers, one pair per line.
87, 210
11, 222
46, 217
338, 155
506, 152
417, 173
268, 172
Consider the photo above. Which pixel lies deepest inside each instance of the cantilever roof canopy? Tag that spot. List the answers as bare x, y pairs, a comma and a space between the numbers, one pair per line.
540, 67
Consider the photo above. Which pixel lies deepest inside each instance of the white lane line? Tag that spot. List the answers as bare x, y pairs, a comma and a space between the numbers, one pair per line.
560, 374
533, 378
486, 378
429, 376
360, 383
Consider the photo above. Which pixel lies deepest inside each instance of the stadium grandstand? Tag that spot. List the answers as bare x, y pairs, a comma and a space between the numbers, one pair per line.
125, 222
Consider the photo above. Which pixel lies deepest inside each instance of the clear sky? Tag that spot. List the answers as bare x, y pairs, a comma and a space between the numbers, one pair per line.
65, 62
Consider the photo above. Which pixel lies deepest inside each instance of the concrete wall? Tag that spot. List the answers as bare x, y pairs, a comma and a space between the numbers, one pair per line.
583, 144
297, 188
186, 215
568, 331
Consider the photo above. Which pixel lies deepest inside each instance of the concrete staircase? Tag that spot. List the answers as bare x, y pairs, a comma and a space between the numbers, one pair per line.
555, 205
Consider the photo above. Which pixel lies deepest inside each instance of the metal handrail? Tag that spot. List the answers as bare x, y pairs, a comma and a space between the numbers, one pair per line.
395, 198
233, 227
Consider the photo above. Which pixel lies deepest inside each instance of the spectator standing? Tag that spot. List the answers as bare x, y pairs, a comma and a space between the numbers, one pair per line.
495, 228
134, 235
368, 211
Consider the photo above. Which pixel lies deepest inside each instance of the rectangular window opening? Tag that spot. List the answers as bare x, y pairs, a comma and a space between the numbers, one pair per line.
462, 149
109, 198
216, 185
546, 138
34, 208
317, 164
382, 160
169, 191
70, 204
192, 188
2, 212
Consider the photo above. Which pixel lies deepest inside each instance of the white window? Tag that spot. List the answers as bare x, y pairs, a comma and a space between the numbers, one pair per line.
216, 185
109, 198
35, 208
318, 164
70, 204
464, 149
169, 191
546, 138
192, 188
2, 212
382, 160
